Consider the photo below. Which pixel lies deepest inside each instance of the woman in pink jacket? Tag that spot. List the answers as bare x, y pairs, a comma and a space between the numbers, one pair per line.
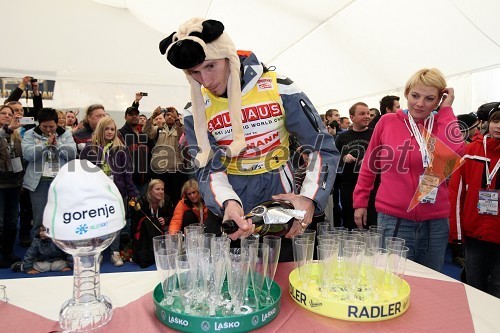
412, 200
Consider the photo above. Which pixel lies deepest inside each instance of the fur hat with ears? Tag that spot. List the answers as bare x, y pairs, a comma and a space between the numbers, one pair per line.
198, 40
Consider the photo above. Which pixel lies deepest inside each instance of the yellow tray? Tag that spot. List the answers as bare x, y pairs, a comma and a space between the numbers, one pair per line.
311, 299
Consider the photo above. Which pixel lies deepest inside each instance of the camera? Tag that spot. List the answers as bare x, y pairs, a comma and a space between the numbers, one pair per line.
27, 121
334, 124
33, 80
144, 93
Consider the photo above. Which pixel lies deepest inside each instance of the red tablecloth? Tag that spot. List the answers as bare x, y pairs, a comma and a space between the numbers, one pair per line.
435, 306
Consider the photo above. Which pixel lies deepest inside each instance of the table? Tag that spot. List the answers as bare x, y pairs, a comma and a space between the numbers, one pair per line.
438, 303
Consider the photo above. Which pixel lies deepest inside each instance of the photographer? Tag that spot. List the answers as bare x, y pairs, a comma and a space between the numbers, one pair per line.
166, 161
332, 119
138, 143
15, 96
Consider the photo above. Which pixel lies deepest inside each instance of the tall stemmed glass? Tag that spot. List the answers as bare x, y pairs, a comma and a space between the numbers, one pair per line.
166, 265
274, 243
246, 242
245, 248
168, 242
218, 251
193, 241
303, 253
185, 281
353, 256
198, 263
377, 268
237, 278
259, 260
327, 254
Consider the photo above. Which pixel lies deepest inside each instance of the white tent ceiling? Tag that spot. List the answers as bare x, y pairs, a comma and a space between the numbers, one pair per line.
338, 51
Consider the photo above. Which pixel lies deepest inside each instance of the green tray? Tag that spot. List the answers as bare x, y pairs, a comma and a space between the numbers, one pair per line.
235, 323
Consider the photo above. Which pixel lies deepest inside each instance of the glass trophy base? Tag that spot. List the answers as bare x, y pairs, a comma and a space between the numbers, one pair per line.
85, 316
361, 306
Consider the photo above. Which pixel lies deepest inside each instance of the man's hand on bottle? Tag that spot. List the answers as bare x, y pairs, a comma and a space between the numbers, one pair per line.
233, 211
301, 203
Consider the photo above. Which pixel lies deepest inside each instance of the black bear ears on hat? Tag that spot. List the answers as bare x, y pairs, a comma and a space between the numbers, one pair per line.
186, 53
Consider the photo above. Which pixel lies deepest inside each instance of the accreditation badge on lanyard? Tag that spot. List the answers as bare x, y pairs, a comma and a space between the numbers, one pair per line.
428, 182
50, 166
487, 203
428, 187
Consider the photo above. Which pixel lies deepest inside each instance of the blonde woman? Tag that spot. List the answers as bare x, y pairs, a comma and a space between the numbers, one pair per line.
402, 152
108, 152
190, 209
61, 119
150, 217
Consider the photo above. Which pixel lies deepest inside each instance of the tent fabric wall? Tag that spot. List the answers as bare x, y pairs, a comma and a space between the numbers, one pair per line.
339, 51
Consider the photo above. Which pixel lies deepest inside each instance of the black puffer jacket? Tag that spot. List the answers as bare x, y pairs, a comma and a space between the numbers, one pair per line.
8, 178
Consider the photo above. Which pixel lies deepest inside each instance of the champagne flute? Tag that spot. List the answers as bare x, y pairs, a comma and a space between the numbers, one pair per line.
166, 265
274, 243
303, 252
237, 273
259, 260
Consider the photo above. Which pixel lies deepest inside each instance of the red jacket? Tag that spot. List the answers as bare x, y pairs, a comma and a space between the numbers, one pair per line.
464, 189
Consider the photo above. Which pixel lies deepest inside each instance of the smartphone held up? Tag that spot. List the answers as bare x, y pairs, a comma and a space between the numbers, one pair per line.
27, 121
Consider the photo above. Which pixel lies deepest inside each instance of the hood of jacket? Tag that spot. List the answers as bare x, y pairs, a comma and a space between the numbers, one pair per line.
251, 70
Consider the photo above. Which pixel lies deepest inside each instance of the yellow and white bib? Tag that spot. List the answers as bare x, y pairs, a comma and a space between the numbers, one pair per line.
263, 118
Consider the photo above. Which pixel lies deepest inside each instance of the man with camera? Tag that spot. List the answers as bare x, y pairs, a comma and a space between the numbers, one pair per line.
138, 143
26, 213
332, 120
15, 96
166, 161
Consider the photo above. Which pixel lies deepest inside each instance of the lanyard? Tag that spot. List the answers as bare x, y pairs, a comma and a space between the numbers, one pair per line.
489, 176
422, 142
153, 214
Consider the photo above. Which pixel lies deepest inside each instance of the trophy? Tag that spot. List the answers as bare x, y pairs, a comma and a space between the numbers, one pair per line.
83, 215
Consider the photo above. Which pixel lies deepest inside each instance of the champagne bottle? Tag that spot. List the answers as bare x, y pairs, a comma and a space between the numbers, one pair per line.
274, 217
